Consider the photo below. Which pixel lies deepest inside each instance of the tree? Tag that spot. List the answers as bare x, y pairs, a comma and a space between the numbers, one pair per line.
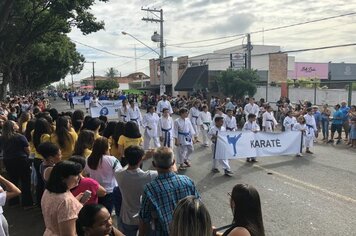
238, 83
106, 85
111, 72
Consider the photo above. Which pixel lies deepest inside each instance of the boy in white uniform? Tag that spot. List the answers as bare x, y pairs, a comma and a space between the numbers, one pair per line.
311, 124
230, 121
194, 117
134, 113
164, 103
165, 129
150, 122
268, 120
219, 113
307, 134
213, 132
289, 121
123, 112
183, 138
251, 125
205, 118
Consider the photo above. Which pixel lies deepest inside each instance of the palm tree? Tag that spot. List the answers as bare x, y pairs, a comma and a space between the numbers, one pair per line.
111, 72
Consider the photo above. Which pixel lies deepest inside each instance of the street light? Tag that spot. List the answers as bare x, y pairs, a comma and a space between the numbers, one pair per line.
155, 38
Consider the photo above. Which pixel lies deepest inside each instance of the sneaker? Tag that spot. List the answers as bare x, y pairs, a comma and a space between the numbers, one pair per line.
338, 141
215, 170
253, 160
309, 152
299, 155
187, 163
248, 159
228, 172
330, 141
182, 167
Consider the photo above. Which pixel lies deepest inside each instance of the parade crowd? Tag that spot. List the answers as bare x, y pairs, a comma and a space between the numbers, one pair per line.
79, 169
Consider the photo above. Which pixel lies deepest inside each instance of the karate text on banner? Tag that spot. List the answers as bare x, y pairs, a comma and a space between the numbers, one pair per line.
234, 145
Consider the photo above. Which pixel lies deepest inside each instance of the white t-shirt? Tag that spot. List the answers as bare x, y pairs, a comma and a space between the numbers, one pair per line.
105, 172
2, 199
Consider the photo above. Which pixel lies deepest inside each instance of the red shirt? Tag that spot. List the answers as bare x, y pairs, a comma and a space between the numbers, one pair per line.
87, 184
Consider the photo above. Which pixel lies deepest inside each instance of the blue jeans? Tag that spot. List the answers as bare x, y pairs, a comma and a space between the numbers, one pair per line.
128, 230
325, 127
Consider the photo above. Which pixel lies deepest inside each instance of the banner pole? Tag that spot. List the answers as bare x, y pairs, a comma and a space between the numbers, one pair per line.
301, 142
216, 143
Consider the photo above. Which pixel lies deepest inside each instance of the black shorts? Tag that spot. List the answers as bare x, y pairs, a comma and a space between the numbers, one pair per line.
336, 127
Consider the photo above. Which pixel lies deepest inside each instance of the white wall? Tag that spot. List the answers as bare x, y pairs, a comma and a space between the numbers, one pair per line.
329, 96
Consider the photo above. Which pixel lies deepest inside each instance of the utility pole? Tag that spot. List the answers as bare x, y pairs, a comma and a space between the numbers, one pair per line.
72, 81
93, 62
135, 58
249, 49
159, 19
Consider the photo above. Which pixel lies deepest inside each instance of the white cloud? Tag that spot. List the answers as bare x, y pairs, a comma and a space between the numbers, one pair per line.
198, 20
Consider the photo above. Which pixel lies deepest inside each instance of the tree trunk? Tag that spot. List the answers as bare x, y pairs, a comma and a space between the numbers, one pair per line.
5, 12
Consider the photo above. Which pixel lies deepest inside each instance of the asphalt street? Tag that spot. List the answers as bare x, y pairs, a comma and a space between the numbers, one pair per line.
311, 195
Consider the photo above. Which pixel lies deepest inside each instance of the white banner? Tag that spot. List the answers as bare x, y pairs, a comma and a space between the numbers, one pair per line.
110, 111
78, 100
234, 145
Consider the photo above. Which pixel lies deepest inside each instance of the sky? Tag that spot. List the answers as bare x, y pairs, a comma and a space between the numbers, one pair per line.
189, 20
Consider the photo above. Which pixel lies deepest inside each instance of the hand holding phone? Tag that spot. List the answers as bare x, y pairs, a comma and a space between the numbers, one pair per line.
86, 196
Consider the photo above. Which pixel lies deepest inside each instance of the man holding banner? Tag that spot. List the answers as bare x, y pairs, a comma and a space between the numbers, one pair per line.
213, 133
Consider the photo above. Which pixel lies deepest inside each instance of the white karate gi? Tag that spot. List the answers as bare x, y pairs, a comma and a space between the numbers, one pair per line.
230, 123
184, 132
223, 115
164, 104
165, 131
308, 135
150, 120
135, 115
268, 121
224, 162
289, 122
124, 114
205, 118
194, 119
252, 126
251, 109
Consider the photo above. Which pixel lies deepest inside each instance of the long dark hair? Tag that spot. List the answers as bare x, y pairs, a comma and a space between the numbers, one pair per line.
62, 170
247, 211
42, 127
30, 126
85, 140
132, 130
86, 217
100, 148
119, 130
78, 115
109, 129
62, 131
8, 130
24, 117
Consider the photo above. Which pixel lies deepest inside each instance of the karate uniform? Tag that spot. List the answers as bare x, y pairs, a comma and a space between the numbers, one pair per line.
165, 130
308, 135
251, 109
205, 118
135, 115
184, 132
194, 119
150, 120
223, 115
311, 124
288, 123
252, 126
268, 121
224, 162
124, 114
230, 123
164, 104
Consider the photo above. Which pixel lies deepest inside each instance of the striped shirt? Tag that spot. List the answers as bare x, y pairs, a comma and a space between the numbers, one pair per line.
160, 198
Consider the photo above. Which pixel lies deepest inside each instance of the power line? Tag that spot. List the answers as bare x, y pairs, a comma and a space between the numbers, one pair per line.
107, 52
209, 45
267, 30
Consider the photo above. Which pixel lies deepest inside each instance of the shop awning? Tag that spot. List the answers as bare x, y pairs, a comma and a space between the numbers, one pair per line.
190, 78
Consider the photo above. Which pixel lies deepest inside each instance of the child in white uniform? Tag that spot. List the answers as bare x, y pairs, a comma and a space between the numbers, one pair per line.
165, 128
307, 134
251, 125
289, 121
230, 121
150, 122
134, 113
268, 120
194, 117
183, 138
311, 124
219, 113
205, 118
123, 112
218, 127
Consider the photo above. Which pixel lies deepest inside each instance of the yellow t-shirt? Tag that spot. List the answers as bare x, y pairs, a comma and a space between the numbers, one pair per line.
68, 149
87, 152
24, 126
126, 142
96, 136
114, 150
44, 138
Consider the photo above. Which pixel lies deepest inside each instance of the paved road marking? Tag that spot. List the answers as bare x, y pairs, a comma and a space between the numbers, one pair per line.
306, 184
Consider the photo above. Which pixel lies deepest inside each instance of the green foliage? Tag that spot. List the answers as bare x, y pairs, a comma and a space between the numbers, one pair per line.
238, 83
111, 72
106, 85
